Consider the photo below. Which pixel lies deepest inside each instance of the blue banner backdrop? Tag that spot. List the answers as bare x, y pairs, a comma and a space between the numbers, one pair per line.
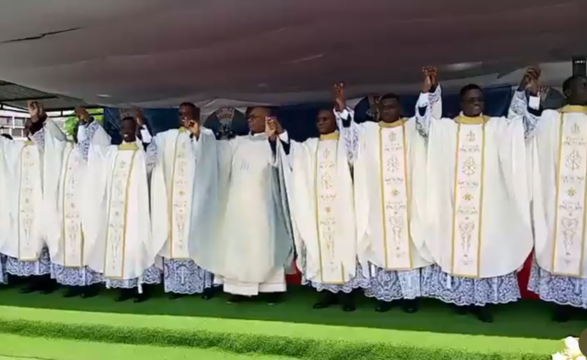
299, 120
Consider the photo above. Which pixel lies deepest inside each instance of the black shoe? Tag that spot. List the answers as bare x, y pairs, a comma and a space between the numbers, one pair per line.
325, 299
31, 288
139, 298
347, 302
90, 291
48, 289
174, 296
125, 294
482, 313
410, 306
235, 299
208, 294
47, 285
383, 306
562, 313
273, 298
460, 310
72, 291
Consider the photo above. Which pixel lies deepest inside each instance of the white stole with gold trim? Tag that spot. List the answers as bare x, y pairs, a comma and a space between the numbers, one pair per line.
114, 256
468, 200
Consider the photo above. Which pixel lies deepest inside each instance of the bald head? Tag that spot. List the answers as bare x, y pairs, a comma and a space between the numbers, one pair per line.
256, 118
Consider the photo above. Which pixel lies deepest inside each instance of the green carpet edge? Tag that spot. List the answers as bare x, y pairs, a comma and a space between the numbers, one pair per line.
322, 332
277, 345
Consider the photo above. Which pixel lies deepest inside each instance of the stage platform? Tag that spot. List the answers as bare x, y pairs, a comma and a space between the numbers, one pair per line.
51, 327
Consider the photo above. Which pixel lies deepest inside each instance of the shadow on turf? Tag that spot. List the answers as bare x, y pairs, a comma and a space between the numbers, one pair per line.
527, 319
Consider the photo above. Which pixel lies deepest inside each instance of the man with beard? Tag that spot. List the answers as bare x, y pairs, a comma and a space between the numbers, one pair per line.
184, 201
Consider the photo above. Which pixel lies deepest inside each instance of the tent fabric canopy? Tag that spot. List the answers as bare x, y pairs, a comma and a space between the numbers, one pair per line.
158, 53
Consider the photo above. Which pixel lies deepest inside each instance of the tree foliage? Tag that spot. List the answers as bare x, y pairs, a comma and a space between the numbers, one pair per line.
71, 122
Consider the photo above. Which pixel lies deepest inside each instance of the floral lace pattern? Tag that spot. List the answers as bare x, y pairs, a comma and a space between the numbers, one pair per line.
185, 277
466, 291
151, 276
75, 276
29, 268
390, 285
561, 290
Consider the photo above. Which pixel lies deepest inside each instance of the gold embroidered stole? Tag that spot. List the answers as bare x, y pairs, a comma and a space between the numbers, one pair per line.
571, 194
114, 255
467, 226
71, 231
395, 195
325, 162
29, 170
179, 200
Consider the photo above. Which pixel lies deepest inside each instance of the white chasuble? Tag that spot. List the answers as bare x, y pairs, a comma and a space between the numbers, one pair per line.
183, 192
390, 194
478, 200
22, 194
253, 243
64, 196
320, 193
560, 190
115, 216
29, 169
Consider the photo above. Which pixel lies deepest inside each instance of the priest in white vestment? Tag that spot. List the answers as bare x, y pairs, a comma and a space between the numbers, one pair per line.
254, 248
390, 200
184, 196
22, 238
320, 192
64, 199
3, 274
479, 232
558, 139
115, 216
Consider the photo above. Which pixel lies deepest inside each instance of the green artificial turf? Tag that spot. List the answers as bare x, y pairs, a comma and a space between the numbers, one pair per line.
292, 328
14, 347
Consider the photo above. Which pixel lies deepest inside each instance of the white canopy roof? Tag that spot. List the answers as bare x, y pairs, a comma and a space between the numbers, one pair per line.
157, 53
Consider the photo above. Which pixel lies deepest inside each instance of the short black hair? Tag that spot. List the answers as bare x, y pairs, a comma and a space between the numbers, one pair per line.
329, 107
569, 82
389, 96
128, 118
8, 136
468, 88
270, 111
191, 105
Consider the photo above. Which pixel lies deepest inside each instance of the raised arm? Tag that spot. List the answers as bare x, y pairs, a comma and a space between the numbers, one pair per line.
151, 155
429, 104
144, 132
526, 102
345, 120
278, 139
